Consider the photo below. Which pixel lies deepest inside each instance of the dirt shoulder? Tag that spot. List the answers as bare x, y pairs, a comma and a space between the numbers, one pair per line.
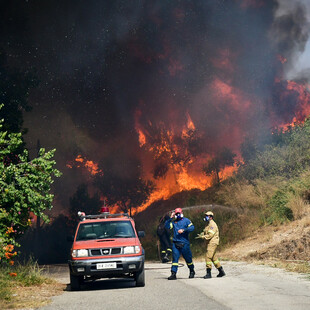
286, 246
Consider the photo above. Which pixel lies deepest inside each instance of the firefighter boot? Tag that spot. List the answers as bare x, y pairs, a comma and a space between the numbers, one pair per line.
208, 275
165, 258
173, 276
221, 272
191, 274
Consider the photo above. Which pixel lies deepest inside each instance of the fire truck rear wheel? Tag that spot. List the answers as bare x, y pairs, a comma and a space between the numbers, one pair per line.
140, 278
75, 282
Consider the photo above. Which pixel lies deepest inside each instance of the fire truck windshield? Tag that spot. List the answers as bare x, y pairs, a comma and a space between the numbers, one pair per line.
104, 230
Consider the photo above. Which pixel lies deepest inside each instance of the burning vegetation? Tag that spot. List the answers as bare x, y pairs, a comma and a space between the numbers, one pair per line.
89, 165
194, 100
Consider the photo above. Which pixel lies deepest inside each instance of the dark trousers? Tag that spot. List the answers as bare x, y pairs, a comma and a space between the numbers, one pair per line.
165, 244
186, 252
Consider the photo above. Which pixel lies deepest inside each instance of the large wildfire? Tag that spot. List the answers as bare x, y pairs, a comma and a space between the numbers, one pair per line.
174, 166
202, 86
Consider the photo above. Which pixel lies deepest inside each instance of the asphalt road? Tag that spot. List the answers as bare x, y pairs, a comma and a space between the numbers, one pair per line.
246, 286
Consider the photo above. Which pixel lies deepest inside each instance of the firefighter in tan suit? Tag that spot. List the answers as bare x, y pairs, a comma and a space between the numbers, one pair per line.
211, 235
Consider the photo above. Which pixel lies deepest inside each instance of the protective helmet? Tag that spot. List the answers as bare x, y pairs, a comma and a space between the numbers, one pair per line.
209, 213
178, 210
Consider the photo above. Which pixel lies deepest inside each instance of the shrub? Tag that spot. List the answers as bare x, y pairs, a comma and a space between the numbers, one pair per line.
278, 211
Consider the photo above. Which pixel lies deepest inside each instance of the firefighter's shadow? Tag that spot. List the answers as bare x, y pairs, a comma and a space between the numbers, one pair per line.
106, 284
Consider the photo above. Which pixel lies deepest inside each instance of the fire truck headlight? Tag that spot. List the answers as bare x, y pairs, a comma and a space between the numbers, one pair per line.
79, 253
82, 253
132, 249
129, 250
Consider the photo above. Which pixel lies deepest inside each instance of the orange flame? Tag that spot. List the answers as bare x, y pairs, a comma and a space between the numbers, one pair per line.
301, 91
173, 184
190, 126
184, 172
91, 167
142, 138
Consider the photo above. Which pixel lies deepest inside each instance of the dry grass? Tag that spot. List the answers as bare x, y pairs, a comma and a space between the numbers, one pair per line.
32, 297
245, 195
299, 206
305, 222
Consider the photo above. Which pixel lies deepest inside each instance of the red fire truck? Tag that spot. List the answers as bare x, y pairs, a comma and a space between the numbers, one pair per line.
106, 246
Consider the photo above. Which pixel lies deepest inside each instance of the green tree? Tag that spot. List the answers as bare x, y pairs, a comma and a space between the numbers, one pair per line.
216, 164
24, 188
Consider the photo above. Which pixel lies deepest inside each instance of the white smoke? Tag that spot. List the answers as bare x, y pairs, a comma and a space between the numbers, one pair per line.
300, 68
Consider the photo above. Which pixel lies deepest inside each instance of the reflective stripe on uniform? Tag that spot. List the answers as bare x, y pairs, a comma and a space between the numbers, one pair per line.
211, 231
175, 264
188, 264
208, 263
169, 250
216, 262
163, 251
171, 225
191, 224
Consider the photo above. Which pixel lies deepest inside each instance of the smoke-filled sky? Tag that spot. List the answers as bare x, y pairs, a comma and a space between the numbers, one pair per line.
109, 69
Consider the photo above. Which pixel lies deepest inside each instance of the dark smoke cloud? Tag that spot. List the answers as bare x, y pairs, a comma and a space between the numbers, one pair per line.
100, 61
291, 31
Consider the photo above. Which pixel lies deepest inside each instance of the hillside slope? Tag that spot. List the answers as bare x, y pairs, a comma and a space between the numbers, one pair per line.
290, 242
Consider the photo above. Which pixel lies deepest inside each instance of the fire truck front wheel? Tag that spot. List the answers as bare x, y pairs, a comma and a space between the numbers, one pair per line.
140, 278
75, 282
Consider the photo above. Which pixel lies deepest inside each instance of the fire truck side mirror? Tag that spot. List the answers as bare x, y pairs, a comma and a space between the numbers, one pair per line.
141, 234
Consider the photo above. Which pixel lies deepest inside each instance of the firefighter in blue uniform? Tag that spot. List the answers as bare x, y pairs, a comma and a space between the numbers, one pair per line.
181, 226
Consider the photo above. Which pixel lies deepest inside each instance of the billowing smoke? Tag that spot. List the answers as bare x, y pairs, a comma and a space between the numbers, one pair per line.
168, 82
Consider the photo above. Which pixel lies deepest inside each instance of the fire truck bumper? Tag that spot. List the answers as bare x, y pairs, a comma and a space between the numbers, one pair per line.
107, 267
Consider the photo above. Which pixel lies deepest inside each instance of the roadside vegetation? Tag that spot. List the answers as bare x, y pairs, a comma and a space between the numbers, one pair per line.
25, 286
25, 185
